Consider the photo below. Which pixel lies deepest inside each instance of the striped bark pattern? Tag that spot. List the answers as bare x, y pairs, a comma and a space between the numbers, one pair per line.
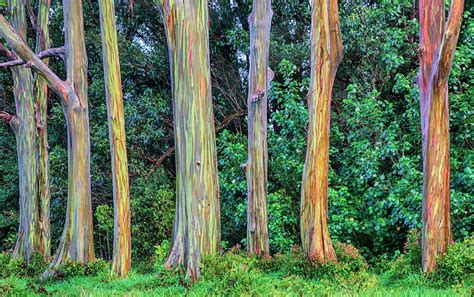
326, 55
197, 217
438, 40
259, 79
42, 93
29, 231
113, 89
77, 240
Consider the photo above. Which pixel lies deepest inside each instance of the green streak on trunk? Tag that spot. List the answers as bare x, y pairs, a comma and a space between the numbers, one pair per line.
29, 232
197, 218
326, 55
77, 240
259, 80
41, 118
113, 86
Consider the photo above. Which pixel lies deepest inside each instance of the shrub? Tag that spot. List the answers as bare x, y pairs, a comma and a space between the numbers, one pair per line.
349, 258
282, 222
295, 262
17, 267
161, 253
455, 267
9, 266
104, 230
218, 267
231, 272
152, 214
232, 152
165, 277
235, 272
410, 261
8, 286
98, 267
457, 264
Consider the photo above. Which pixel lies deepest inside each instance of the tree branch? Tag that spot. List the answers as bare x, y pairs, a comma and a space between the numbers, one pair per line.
449, 41
5, 116
223, 124
10, 56
49, 53
34, 24
22, 49
160, 160
9, 119
229, 119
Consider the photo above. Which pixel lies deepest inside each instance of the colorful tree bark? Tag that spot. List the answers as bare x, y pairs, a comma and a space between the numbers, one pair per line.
438, 41
197, 217
38, 220
326, 55
42, 93
259, 79
113, 89
77, 240
29, 230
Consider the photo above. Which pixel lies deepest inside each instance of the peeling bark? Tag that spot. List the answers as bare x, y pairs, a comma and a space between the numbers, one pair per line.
197, 217
42, 93
326, 55
77, 240
438, 41
259, 80
29, 229
113, 86
30, 130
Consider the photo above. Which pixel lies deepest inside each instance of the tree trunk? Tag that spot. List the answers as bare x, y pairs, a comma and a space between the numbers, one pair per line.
29, 231
437, 45
259, 79
197, 218
113, 87
42, 93
77, 240
326, 55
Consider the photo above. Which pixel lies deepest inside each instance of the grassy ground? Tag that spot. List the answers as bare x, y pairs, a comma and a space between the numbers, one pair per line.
234, 274
153, 284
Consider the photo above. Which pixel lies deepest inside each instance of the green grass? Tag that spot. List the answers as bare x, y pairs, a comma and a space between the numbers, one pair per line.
257, 284
234, 274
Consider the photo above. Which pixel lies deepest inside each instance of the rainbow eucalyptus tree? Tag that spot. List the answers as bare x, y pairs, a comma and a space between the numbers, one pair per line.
197, 217
438, 40
38, 222
118, 149
326, 55
42, 93
24, 127
77, 241
259, 79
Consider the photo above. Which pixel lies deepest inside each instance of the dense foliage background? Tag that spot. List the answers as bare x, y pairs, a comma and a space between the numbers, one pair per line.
375, 158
